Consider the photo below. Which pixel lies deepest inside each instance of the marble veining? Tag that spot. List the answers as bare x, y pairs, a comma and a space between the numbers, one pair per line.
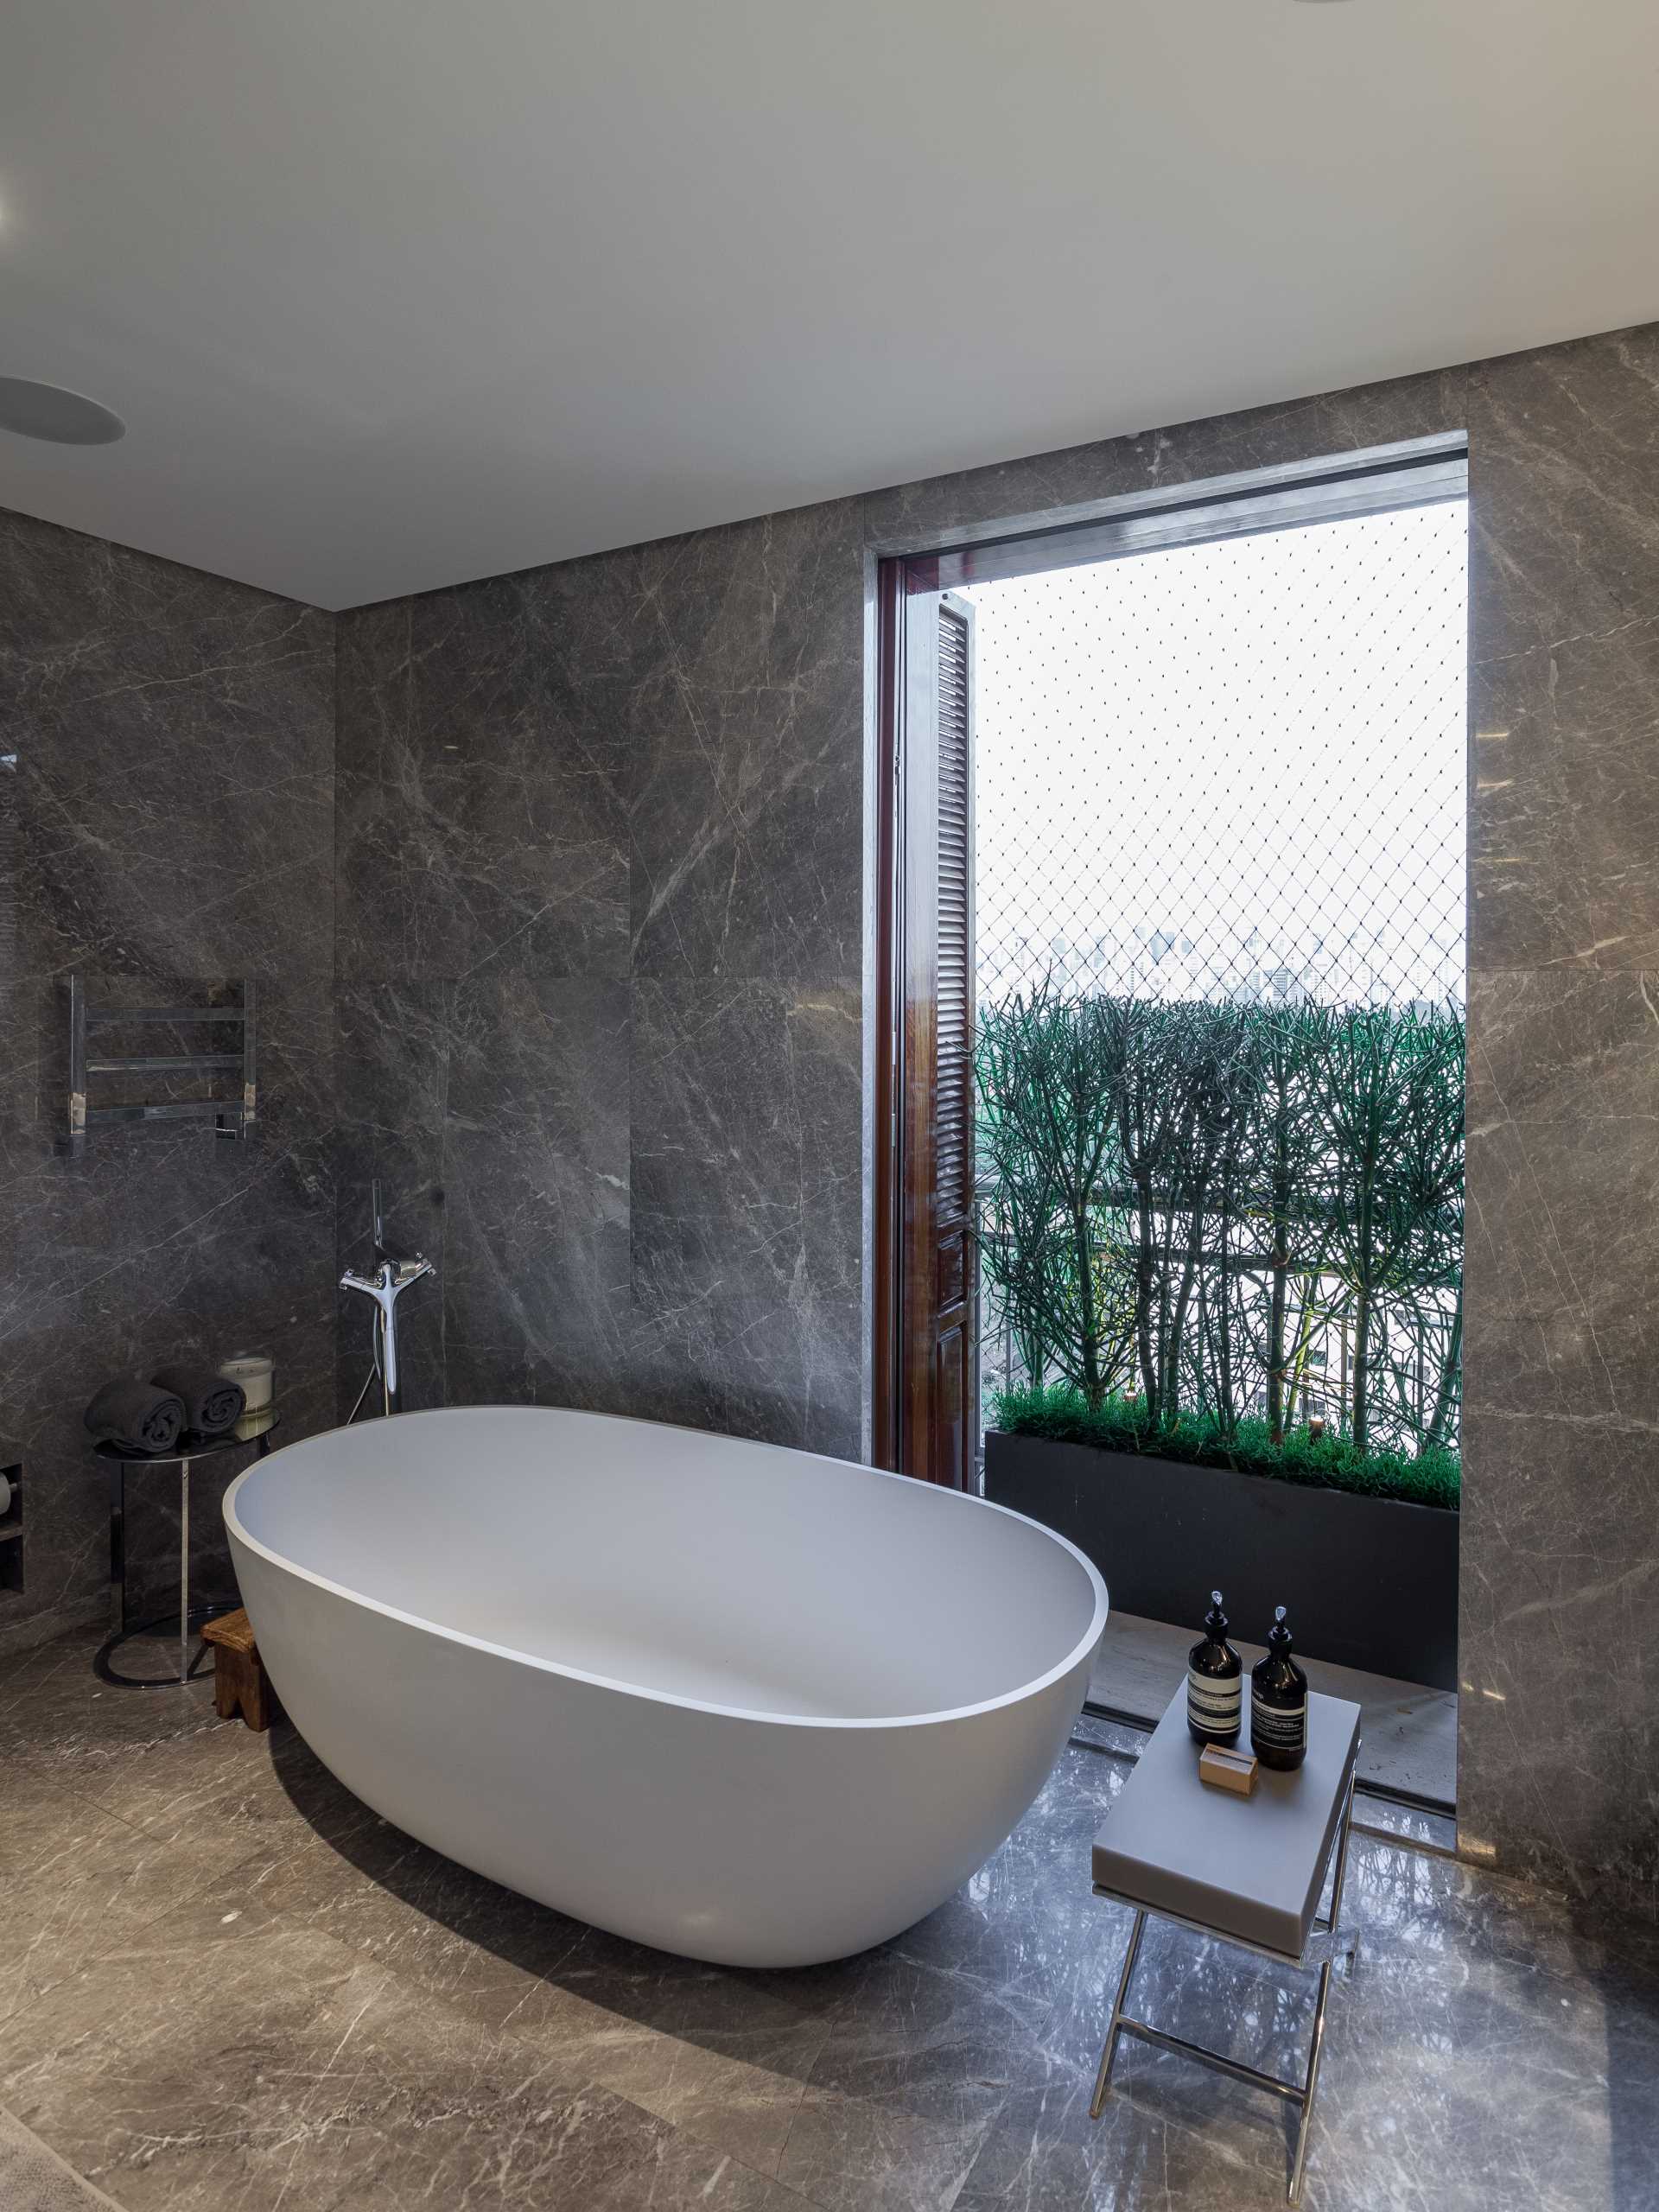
745, 809
481, 824
600, 907
173, 828
746, 1199
223, 1980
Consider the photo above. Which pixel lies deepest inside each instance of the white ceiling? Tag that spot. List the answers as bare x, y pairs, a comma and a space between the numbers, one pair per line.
396, 292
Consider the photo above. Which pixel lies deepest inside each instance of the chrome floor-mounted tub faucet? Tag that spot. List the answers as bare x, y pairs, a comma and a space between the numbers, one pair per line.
391, 1279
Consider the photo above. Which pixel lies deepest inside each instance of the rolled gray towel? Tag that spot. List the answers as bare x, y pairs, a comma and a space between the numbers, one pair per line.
210, 1403
136, 1414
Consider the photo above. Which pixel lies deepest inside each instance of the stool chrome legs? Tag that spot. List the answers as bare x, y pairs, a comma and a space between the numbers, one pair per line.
1302, 2092
1104, 2079
1293, 2093
1311, 2084
1341, 1869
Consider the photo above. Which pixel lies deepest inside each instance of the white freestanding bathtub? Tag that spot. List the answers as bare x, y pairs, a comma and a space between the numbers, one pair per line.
732, 1699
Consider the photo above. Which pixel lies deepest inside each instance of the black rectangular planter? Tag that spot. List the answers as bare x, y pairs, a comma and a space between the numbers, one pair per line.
1371, 1582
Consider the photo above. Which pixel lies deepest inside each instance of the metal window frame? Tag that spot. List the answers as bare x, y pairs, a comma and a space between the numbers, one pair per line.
1373, 479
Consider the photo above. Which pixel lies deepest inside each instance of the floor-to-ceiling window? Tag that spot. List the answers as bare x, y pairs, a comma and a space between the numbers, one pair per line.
1218, 855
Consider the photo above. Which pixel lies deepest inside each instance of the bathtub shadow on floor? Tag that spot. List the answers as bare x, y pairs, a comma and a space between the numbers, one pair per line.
486, 1948
873, 2080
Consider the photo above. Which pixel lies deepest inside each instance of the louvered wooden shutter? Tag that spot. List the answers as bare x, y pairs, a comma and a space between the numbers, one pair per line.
955, 1351
939, 1396
953, 1162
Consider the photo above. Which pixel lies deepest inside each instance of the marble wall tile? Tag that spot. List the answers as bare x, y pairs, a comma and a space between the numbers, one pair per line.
746, 730
1529, 900
1563, 1176
746, 1214
175, 805
1561, 1430
1566, 461
567, 795
1564, 549
536, 1251
1557, 1621
174, 734
482, 821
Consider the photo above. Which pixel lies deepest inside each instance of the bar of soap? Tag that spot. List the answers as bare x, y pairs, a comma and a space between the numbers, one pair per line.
1222, 1767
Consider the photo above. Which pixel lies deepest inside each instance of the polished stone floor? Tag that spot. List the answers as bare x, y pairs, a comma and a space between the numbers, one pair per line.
226, 1986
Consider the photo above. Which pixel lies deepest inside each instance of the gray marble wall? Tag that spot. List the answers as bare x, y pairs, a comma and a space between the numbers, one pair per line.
599, 951
173, 828
599, 899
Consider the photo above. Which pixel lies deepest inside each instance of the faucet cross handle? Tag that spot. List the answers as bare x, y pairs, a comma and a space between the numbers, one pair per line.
385, 1287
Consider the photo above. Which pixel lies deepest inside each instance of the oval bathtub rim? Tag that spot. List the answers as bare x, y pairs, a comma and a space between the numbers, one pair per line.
1032, 1688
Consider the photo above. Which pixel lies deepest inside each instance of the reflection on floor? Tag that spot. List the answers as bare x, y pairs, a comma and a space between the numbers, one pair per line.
1410, 1733
223, 1983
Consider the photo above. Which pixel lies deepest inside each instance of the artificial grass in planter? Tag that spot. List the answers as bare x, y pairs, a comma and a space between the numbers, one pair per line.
1063, 1414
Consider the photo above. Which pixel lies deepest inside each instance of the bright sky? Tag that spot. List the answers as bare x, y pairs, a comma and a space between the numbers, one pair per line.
1262, 734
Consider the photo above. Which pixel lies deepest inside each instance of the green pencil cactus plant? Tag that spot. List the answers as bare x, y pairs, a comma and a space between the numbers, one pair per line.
1228, 1214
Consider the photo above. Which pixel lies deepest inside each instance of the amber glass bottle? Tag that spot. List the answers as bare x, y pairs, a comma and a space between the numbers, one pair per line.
1279, 1703
1215, 1682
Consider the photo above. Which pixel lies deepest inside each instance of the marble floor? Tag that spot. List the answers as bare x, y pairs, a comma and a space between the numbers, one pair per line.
225, 1983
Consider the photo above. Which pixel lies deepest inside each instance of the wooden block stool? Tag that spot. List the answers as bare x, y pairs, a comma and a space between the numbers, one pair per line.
240, 1682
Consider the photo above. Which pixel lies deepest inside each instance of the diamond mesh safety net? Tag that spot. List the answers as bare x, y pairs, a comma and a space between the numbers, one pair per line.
1228, 780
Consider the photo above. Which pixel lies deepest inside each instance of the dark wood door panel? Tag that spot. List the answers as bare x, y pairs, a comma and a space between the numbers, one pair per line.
926, 1411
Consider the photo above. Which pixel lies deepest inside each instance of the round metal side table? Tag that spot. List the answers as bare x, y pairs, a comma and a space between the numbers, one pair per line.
117, 1458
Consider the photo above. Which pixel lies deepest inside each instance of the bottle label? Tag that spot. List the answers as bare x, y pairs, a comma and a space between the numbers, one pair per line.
1215, 1706
1280, 1727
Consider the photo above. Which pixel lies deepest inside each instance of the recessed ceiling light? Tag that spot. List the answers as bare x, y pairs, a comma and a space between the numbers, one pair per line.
64, 418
